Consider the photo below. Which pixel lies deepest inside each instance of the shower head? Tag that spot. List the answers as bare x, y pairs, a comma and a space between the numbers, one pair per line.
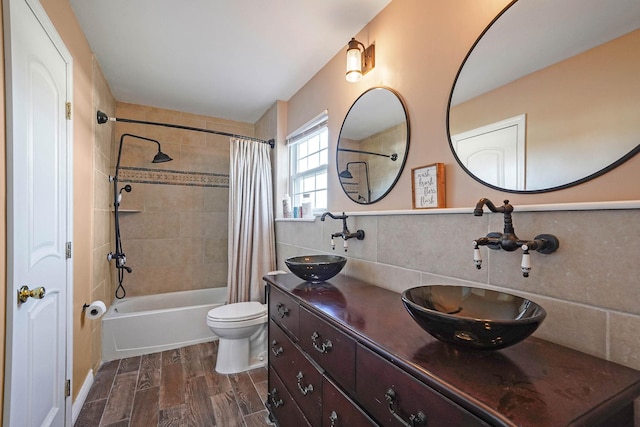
346, 174
160, 157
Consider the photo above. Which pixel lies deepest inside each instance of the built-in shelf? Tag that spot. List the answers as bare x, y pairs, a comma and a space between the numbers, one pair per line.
128, 210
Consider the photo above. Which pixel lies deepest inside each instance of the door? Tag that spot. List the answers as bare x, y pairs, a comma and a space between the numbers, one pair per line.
38, 70
495, 153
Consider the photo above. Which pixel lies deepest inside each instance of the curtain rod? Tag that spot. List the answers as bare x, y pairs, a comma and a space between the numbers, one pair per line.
103, 118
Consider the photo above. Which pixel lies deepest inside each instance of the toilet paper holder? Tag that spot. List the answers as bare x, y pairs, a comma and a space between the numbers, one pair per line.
97, 309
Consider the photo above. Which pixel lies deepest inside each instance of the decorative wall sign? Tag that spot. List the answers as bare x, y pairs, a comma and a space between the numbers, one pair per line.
427, 185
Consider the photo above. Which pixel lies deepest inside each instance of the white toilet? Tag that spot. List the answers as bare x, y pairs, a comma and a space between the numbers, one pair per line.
242, 329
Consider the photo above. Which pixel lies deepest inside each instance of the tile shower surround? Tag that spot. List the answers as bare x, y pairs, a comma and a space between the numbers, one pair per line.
175, 236
589, 286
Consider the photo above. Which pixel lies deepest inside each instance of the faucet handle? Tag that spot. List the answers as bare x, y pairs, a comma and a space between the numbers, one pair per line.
333, 244
345, 245
477, 259
525, 266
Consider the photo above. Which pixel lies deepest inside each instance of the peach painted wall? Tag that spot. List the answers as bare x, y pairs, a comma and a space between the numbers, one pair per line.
420, 45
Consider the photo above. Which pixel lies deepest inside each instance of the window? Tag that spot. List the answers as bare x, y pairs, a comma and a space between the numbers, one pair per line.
308, 159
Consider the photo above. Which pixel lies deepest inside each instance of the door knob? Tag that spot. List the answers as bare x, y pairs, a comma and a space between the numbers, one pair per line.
24, 293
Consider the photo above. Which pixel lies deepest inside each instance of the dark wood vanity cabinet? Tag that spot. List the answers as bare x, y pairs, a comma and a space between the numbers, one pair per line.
346, 353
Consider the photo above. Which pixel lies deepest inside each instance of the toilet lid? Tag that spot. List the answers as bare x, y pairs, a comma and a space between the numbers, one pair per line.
237, 311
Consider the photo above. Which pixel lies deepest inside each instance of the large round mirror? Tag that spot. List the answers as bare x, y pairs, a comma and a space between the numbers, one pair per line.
549, 95
372, 146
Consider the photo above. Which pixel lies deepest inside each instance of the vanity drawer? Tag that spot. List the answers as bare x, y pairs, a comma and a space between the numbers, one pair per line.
393, 397
281, 404
339, 411
331, 349
284, 310
304, 382
281, 349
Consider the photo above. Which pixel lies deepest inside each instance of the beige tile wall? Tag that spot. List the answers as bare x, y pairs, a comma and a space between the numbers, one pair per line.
589, 287
175, 231
102, 218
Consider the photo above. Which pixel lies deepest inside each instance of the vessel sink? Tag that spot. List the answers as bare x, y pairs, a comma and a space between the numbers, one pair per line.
473, 318
315, 268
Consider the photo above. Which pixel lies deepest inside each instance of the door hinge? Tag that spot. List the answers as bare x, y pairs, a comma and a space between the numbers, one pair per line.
68, 250
67, 388
68, 110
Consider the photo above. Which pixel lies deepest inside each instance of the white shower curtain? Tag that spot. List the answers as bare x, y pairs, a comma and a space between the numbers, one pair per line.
251, 225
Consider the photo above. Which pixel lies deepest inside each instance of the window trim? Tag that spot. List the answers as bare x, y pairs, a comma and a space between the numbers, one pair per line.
312, 128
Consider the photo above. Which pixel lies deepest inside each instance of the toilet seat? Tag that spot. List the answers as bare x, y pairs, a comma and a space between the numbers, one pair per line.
237, 312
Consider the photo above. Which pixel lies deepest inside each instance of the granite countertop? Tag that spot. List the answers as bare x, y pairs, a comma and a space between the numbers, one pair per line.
533, 383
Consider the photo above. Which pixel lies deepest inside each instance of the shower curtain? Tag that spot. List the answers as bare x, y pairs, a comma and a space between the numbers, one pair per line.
251, 230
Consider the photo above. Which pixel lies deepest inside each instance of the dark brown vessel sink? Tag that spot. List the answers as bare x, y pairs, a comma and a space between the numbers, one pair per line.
316, 268
473, 318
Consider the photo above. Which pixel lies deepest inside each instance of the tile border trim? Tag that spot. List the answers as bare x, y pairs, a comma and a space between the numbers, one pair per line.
173, 177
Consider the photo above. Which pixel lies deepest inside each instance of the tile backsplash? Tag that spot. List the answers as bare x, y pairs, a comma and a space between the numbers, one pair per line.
589, 286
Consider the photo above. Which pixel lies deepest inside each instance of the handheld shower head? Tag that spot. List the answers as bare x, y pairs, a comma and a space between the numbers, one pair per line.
126, 188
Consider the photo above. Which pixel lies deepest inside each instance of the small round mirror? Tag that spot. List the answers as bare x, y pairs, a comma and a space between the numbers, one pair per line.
372, 146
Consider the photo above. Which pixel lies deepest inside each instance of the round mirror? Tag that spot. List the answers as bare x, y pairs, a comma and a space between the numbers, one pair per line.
548, 97
372, 146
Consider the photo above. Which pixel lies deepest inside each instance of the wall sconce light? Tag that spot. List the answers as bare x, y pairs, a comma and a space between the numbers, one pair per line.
360, 60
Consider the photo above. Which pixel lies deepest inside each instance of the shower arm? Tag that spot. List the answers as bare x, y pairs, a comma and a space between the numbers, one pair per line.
393, 156
115, 177
103, 118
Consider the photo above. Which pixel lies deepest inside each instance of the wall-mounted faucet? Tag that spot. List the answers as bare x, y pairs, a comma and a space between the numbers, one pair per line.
345, 233
508, 241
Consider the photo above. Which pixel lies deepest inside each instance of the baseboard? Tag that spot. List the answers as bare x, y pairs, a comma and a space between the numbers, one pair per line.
82, 396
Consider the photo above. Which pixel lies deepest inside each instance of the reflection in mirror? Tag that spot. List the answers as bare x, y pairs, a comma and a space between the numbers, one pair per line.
548, 97
372, 146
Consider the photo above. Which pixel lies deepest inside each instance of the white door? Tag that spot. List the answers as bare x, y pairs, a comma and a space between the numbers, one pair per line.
495, 153
38, 68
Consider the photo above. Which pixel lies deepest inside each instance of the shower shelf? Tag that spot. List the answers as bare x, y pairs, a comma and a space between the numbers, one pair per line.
128, 210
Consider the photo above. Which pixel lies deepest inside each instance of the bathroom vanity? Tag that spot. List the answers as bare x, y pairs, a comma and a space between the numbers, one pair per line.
347, 353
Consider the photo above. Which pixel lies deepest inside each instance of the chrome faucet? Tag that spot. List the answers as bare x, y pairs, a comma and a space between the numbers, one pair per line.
345, 233
508, 241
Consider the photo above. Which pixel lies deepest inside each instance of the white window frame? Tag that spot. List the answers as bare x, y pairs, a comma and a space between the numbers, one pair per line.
303, 135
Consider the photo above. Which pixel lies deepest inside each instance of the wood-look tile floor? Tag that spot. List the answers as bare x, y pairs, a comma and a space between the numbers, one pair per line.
174, 388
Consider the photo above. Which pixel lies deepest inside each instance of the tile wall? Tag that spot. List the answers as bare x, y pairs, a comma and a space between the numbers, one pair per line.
101, 275
174, 221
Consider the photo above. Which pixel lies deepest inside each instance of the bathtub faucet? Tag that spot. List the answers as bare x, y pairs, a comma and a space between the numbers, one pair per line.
345, 233
121, 261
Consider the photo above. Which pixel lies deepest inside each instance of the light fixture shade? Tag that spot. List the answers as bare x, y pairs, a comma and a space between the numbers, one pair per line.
354, 65
354, 61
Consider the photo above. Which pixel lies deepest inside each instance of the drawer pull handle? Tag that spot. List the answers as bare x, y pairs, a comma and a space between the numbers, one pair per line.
324, 347
418, 419
273, 398
306, 389
333, 417
282, 310
276, 351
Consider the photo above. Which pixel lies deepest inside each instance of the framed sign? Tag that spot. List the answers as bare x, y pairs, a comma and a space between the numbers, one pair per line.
427, 185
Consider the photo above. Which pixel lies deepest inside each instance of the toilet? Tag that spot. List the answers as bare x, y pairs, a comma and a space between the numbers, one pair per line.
242, 329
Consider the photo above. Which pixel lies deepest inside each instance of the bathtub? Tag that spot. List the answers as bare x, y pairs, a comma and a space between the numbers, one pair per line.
151, 323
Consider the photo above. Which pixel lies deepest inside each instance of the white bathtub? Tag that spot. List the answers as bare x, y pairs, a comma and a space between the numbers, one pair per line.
151, 323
